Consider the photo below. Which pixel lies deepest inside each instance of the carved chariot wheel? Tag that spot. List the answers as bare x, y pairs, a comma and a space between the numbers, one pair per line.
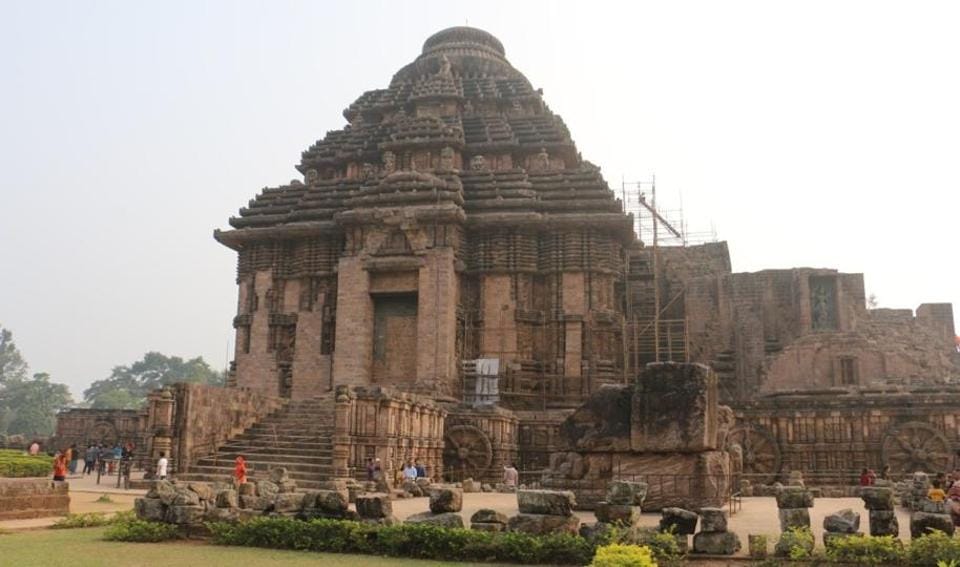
467, 451
915, 446
102, 432
761, 452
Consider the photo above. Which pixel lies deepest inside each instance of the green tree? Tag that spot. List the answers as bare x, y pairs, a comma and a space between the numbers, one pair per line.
31, 405
12, 365
128, 386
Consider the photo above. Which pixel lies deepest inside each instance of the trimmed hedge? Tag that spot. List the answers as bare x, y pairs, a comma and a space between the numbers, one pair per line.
17, 464
404, 540
131, 529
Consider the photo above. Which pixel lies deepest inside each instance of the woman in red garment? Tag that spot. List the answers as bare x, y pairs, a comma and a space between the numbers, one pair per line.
240, 470
60, 467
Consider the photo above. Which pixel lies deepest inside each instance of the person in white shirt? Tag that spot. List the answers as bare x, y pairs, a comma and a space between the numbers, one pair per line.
410, 471
162, 467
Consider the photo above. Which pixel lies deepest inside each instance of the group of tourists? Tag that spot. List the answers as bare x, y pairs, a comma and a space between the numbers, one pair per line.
95, 458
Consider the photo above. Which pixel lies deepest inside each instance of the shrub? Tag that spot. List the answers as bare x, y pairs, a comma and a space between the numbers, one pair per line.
89, 520
141, 531
404, 540
928, 550
867, 550
17, 464
619, 555
795, 543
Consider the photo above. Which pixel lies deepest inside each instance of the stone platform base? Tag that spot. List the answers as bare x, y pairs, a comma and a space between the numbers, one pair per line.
24, 498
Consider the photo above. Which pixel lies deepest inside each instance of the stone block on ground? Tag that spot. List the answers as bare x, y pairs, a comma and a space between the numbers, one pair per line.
267, 489
164, 490
227, 499
247, 489
278, 475
258, 503
390, 520
186, 515
185, 497
332, 502
288, 502
551, 502
444, 520
922, 523
877, 497
446, 500
626, 492
287, 486
794, 518
716, 543
713, 520
412, 488
794, 497
469, 486
678, 521
486, 487
223, 514
541, 524
423, 482
151, 509
674, 408
884, 522
622, 514
488, 516
845, 521
204, 491
374, 506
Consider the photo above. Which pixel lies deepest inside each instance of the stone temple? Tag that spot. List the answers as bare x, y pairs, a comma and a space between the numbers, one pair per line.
451, 281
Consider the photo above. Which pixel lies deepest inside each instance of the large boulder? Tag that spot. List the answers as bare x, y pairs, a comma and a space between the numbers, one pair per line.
444, 500
626, 492
411, 487
542, 524
877, 497
186, 515
204, 490
794, 518
227, 499
488, 516
678, 521
185, 497
845, 521
444, 520
550, 502
332, 502
674, 409
713, 520
374, 506
469, 485
223, 514
794, 497
922, 523
164, 490
288, 502
267, 489
247, 489
279, 474
716, 543
622, 514
258, 503
884, 522
151, 509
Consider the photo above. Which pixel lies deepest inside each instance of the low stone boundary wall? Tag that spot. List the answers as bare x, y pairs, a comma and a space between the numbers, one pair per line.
22, 498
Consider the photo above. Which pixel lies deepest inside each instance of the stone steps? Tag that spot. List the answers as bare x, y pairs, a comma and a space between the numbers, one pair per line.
297, 437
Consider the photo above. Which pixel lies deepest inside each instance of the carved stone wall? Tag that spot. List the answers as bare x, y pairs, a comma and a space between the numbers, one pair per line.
189, 421
832, 434
378, 423
82, 426
479, 442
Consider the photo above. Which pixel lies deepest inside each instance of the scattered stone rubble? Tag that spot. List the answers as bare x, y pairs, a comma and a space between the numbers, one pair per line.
793, 507
713, 537
842, 524
878, 500
445, 506
545, 512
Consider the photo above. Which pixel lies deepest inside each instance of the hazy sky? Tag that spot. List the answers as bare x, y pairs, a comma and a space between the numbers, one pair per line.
821, 134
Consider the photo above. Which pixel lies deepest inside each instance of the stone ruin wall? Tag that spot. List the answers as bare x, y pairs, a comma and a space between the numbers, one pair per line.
189, 421
831, 435
82, 426
24, 498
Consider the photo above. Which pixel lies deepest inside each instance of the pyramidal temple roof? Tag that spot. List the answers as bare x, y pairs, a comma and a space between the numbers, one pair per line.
461, 113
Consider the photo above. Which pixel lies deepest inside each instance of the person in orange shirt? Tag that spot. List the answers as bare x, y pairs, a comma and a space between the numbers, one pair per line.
240, 470
60, 467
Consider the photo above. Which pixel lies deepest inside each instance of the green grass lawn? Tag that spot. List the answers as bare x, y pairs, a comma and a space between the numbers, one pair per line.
85, 547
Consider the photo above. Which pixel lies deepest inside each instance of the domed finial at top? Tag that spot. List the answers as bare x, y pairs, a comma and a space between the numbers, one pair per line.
463, 35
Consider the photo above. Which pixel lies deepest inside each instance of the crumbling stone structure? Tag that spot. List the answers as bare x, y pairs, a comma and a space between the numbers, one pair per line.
23, 498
